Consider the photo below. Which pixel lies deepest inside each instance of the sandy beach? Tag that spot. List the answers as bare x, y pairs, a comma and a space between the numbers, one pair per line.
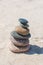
10, 12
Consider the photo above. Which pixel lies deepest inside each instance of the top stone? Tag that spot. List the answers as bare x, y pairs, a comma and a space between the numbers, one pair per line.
23, 21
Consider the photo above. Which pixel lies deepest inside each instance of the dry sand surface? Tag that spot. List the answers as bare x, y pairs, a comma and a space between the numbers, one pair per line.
10, 12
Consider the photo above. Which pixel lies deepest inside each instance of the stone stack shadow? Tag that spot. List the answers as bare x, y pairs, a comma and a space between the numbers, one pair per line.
20, 37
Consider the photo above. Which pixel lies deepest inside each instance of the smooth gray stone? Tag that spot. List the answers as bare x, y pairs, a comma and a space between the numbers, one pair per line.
16, 35
23, 21
25, 26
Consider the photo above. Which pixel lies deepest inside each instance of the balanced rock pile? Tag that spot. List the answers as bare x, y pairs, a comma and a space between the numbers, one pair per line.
20, 37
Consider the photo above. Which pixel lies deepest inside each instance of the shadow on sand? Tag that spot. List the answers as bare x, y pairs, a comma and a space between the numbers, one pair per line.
34, 49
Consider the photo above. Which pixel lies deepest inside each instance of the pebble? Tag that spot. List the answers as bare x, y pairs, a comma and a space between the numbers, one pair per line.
21, 30
19, 42
17, 49
23, 21
16, 35
25, 26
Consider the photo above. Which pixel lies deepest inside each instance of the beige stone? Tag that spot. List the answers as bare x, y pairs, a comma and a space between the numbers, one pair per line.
17, 49
21, 30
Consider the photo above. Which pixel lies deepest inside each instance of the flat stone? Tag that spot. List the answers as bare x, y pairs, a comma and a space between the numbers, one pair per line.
19, 42
17, 49
25, 26
16, 35
23, 21
21, 30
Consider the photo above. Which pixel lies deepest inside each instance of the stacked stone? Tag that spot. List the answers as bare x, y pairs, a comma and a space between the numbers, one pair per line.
20, 37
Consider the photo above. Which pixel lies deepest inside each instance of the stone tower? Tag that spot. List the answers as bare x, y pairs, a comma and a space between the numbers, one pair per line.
20, 37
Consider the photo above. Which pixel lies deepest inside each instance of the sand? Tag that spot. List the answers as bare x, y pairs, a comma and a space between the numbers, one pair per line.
10, 12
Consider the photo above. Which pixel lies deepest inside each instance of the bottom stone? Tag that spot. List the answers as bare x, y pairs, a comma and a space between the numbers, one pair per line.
17, 49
